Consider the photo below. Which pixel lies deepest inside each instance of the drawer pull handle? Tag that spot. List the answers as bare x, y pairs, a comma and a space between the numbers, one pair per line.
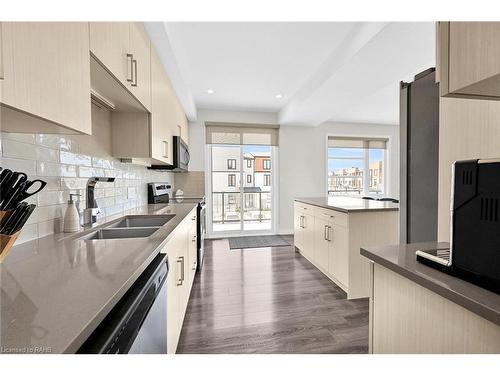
328, 215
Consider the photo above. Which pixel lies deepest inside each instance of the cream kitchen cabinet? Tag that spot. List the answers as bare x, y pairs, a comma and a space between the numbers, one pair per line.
124, 49
46, 77
339, 254
180, 277
192, 247
305, 228
321, 243
468, 59
331, 239
162, 126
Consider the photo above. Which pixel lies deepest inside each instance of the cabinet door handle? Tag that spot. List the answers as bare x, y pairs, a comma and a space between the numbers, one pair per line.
134, 65
165, 149
182, 269
131, 67
180, 261
330, 230
325, 233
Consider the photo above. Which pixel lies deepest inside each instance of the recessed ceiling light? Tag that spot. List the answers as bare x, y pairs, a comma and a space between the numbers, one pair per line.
278, 96
210, 91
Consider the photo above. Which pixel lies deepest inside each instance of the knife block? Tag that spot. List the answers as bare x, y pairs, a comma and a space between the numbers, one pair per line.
6, 242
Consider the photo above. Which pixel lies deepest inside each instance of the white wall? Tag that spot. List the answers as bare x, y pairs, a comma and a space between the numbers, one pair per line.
302, 155
197, 130
302, 162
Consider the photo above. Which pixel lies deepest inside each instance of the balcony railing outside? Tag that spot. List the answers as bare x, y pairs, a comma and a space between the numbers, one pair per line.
227, 207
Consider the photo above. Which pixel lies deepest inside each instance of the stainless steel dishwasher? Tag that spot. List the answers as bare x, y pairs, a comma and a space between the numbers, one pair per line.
138, 322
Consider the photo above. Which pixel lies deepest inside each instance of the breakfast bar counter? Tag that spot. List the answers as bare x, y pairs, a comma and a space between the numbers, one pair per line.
417, 309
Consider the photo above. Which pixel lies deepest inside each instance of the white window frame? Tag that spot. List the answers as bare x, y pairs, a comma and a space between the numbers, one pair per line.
366, 178
274, 198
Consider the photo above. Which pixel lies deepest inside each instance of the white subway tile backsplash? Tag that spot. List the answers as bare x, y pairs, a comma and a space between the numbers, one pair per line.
85, 172
56, 160
102, 163
28, 233
53, 183
46, 228
52, 169
73, 183
20, 165
14, 149
75, 159
57, 142
47, 198
20, 137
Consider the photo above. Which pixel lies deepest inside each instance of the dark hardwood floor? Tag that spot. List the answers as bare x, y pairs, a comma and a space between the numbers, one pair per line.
269, 300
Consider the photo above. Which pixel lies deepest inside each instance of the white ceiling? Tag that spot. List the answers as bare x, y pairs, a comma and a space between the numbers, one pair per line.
338, 71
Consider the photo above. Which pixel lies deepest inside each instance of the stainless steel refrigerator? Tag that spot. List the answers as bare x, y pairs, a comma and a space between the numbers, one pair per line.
419, 137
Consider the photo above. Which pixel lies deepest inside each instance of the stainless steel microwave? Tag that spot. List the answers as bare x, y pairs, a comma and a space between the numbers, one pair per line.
181, 157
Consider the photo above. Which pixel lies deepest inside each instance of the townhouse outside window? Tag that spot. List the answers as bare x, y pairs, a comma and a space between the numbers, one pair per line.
249, 179
267, 180
266, 164
231, 163
231, 180
356, 166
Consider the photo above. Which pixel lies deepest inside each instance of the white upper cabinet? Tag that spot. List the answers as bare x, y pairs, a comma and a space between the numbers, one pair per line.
46, 74
124, 49
161, 123
469, 59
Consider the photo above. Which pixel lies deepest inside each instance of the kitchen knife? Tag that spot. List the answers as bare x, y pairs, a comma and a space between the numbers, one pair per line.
10, 183
13, 197
13, 216
5, 177
22, 220
4, 174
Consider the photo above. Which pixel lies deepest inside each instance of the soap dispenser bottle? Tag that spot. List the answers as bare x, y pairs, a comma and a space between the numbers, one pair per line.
71, 217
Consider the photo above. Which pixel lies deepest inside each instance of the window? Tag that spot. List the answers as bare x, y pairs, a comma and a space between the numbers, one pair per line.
266, 164
249, 163
249, 179
267, 180
231, 180
356, 166
231, 163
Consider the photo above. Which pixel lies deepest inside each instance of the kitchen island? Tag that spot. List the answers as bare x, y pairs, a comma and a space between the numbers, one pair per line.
417, 309
329, 231
57, 289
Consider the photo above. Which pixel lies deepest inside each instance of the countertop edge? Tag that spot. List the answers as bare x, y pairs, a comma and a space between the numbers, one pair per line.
344, 210
87, 330
461, 300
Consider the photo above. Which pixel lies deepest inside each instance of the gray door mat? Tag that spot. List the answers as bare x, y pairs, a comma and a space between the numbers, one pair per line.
259, 241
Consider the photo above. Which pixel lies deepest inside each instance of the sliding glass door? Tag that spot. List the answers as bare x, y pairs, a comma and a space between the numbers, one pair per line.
241, 179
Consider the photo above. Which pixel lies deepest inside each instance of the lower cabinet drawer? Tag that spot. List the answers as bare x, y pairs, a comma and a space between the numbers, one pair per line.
338, 218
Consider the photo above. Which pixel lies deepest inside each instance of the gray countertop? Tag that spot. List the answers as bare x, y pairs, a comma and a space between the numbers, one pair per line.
402, 260
56, 290
349, 204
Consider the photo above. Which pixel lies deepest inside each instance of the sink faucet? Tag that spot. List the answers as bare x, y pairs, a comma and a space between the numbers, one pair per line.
91, 211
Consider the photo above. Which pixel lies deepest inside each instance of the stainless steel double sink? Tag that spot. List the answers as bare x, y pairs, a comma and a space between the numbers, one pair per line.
132, 226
